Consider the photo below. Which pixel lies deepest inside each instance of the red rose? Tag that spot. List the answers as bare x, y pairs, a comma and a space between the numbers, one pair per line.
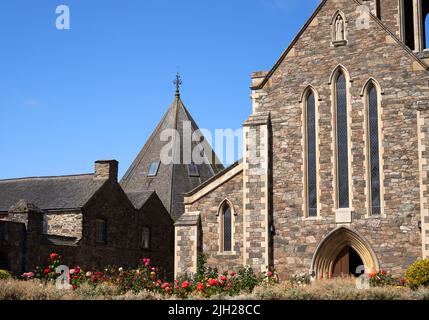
165, 285
74, 287
200, 286
232, 274
47, 271
185, 284
269, 274
76, 270
212, 282
223, 278
53, 256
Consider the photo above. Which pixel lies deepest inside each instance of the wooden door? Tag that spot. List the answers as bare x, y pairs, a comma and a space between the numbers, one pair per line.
342, 264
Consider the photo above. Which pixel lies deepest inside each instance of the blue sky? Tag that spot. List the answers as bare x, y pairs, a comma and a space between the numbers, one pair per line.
70, 97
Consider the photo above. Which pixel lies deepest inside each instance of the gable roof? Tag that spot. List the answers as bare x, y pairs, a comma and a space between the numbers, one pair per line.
49, 193
139, 198
412, 55
172, 180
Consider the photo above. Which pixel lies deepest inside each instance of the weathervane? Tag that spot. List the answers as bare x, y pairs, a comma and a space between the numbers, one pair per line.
178, 82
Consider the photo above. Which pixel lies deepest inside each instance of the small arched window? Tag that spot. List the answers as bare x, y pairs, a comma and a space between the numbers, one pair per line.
373, 148
145, 238
226, 217
311, 146
342, 141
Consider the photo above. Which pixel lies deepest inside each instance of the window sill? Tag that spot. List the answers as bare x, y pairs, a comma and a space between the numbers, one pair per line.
318, 218
375, 216
229, 253
339, 43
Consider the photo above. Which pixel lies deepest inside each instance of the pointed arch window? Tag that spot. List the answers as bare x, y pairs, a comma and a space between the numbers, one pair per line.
373, 149
342, 142
226, 224
311, 156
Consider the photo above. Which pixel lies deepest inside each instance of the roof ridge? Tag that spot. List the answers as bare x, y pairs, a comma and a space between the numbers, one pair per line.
214, 178
146, 146
48, 177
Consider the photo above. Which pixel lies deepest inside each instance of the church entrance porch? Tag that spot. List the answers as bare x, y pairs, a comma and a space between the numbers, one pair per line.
341, 253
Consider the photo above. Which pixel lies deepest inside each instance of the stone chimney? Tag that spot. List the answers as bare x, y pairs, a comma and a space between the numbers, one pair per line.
106, 170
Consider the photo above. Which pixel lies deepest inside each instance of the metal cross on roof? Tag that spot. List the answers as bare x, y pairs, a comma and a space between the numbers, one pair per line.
178, 82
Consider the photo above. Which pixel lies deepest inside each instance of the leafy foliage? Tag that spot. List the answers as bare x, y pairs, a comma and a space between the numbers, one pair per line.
417, 274
5, 275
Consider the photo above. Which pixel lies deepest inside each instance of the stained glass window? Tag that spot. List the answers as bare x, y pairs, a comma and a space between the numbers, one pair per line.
374, 153
311, 156
227, 229
342, 143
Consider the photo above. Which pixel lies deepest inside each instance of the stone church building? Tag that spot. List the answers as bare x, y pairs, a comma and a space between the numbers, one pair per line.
340, 125
334, 172
93, 220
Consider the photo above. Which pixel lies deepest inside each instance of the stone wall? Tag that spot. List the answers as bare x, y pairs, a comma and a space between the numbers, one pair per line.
390, 15
67, 224
186, 254
256, 192
423, 134
26, 245
12, 244
394, 236
209, 236
125, 226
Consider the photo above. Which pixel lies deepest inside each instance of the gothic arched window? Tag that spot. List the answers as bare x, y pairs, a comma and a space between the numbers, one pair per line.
373, 148
226, 223
342, 141
311, 161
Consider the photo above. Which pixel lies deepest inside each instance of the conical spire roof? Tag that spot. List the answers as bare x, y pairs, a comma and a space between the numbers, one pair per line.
172, 180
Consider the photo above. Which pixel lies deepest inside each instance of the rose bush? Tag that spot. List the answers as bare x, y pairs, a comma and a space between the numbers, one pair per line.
206, 283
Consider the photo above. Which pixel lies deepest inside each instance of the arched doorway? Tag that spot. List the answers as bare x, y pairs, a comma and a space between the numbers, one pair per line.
347, 263
341, 252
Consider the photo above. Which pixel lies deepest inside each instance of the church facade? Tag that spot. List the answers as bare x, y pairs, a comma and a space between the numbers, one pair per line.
334, 172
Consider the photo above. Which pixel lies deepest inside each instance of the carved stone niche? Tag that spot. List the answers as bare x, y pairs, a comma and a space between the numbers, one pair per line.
339, 29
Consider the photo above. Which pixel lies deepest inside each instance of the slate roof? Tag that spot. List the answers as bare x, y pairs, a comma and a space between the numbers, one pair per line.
172, 180
49, 193
139, 198
188, 219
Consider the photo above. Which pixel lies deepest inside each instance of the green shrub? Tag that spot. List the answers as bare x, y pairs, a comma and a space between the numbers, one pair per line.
417, 274
4, 275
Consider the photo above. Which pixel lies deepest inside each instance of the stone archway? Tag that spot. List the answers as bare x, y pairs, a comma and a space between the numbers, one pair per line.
334, 245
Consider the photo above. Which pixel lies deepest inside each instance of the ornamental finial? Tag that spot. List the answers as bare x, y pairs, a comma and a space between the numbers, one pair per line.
178, 82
